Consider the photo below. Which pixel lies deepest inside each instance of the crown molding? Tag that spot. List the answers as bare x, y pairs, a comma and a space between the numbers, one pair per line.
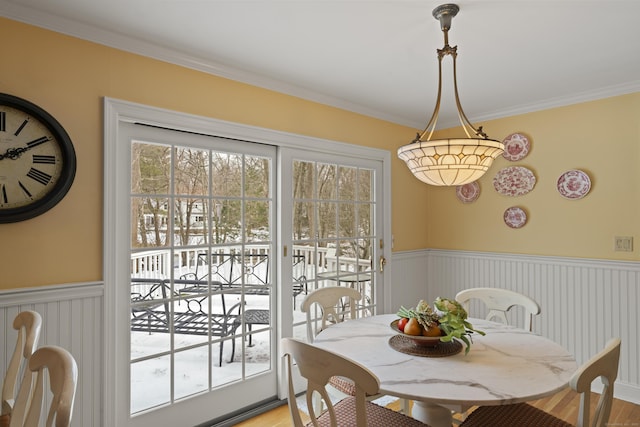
578, 98
143, 48
118, 41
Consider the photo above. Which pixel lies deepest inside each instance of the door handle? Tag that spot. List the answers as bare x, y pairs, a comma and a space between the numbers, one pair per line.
383, 262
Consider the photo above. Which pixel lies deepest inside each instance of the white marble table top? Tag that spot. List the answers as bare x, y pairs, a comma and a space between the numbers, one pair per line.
508, 365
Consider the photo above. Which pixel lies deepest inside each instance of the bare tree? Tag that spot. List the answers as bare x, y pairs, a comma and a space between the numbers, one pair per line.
304, 215
227, 188
150, 175
191, 185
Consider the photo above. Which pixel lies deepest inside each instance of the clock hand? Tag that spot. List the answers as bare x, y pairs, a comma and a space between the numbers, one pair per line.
13, 153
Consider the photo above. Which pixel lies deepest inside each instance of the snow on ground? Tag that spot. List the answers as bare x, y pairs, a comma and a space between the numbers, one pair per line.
151, 378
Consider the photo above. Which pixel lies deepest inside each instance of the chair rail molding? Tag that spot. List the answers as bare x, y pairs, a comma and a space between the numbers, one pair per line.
591, 299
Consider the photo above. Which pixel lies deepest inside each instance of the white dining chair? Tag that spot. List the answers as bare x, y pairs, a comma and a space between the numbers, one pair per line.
330, 301
603, 365
28, 324
317, 365
63, 376
499, 301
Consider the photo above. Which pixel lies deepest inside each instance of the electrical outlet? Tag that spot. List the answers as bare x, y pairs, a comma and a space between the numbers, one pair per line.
623, 244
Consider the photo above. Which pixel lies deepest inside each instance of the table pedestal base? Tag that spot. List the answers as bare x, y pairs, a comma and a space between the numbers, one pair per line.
432, 414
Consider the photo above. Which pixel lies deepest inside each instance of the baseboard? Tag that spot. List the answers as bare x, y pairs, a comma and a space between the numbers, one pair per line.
245, 414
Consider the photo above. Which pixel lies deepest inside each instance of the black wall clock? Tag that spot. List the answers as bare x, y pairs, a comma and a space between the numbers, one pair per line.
37, 160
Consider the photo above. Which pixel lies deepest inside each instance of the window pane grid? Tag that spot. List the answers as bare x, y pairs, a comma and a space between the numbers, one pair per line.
201, 238
333, 229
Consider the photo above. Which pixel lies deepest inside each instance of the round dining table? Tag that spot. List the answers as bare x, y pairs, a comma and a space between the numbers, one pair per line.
507, 365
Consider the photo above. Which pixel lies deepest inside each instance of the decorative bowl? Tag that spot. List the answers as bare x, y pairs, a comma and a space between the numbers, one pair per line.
418, 340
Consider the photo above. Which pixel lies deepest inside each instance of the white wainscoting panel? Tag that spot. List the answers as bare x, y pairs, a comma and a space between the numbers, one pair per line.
72, 317
584, 302
408, 279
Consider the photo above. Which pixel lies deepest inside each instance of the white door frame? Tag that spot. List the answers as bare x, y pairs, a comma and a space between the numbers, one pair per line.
117, 112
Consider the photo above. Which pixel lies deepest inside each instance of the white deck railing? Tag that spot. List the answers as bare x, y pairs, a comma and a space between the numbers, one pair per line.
155, 263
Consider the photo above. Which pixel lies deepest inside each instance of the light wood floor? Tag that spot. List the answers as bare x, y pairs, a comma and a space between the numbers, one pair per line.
563, 405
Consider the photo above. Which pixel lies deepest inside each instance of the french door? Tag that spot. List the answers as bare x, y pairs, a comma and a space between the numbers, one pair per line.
211, 245
201, 278
333, 229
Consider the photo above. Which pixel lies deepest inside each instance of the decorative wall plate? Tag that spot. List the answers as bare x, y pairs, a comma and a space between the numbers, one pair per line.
468, 193
514, 181
515, 217
516, 147
574, 184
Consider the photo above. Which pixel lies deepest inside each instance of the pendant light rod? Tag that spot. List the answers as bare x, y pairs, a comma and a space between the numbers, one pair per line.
450, 161
445, 14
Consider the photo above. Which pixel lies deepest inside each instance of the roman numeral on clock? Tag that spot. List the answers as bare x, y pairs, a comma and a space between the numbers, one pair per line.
3, 122
17, 132
4, 194
37, 142
24, 189
46, 159
38, 175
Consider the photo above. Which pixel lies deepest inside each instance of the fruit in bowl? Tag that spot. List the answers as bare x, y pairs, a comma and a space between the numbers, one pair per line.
428, 326
421, 325
420, 339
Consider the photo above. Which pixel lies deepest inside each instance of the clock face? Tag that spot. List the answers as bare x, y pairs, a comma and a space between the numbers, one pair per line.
37, 160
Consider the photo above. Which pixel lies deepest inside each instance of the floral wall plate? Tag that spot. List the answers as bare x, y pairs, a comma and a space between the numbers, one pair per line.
516, 147
515, 217
468, 193
514, 181
574, 184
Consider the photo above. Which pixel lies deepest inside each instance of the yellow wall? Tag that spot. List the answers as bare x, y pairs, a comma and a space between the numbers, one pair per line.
600, 137
69, 78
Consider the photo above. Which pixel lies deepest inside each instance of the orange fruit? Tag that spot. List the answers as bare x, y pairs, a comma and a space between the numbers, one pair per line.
433, 331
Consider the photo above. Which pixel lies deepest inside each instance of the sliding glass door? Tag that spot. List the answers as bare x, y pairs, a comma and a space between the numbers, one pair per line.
201, 279
211, 245
334, 224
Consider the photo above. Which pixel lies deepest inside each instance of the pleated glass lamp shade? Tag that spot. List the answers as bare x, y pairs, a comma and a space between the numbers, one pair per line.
448, 162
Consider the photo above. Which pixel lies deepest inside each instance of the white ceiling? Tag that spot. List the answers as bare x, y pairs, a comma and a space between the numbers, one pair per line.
376, 57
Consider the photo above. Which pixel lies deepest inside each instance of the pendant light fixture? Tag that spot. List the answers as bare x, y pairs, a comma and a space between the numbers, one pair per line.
455, 161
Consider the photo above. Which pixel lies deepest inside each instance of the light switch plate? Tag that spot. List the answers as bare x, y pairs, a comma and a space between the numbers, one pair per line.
623, 244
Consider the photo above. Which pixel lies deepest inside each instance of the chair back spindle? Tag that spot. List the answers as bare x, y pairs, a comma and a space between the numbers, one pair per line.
499, 301
28, 324
328, 299
63, 377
